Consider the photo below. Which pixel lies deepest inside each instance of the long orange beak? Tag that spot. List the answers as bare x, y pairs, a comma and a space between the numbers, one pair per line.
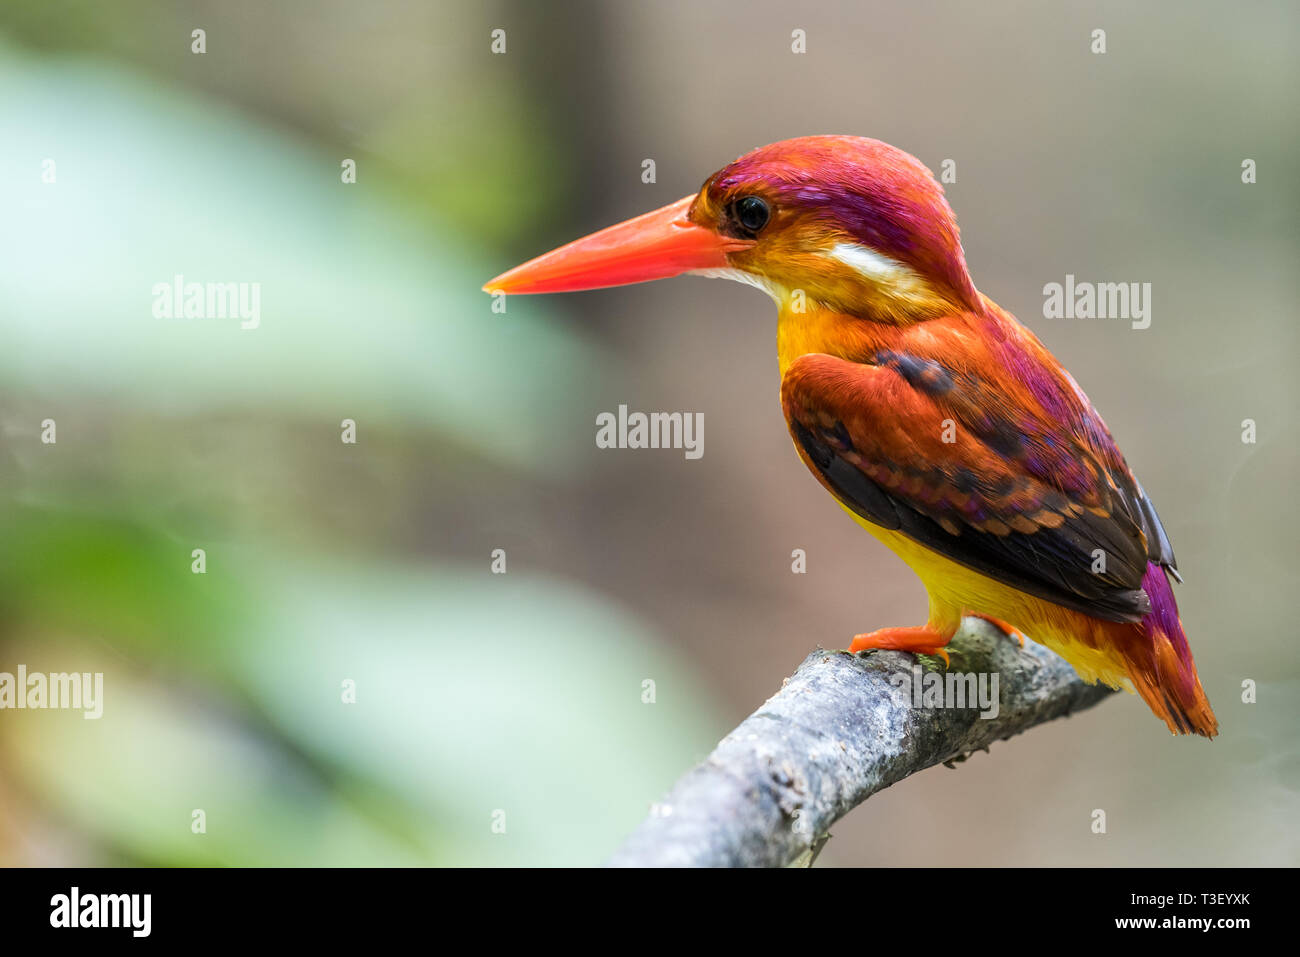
655, 245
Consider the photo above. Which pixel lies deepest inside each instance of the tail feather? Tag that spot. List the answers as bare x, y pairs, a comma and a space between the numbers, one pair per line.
1160, 664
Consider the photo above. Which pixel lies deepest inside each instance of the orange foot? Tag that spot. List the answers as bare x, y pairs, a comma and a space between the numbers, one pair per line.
1011, 631
923, 640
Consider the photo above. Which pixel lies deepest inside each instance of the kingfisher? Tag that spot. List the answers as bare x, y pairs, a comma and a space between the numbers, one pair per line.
936, 420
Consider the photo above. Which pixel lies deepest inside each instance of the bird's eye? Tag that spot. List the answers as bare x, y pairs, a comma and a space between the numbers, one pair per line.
751, 213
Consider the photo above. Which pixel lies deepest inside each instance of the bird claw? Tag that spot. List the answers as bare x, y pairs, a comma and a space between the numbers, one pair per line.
923, 640
1011, 631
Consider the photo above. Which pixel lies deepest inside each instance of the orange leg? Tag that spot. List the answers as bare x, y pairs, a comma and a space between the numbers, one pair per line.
922, 640
1011, 631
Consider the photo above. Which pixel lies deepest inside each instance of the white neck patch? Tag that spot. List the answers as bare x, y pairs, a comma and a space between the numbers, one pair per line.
739, 275
894, 278
871, 264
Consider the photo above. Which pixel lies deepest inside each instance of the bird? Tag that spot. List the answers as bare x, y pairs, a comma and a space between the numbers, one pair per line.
938, 421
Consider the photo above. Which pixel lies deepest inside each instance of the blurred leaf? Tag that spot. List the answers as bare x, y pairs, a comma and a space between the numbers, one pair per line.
474, 693
134, 777
478, 693
365, 312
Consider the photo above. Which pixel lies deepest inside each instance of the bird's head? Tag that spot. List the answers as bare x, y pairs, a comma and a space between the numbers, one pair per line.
855, 224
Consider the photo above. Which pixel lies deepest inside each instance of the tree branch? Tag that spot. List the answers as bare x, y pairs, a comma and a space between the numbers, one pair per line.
840, 729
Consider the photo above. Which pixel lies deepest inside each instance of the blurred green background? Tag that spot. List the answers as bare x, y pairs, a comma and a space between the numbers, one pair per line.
517, 699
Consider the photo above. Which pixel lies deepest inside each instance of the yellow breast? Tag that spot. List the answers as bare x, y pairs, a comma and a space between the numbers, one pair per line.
955, 590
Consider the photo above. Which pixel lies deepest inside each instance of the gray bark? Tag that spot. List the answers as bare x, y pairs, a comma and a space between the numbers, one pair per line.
839, 730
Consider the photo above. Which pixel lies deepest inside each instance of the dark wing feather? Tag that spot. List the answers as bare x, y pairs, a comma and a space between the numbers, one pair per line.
931, 453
